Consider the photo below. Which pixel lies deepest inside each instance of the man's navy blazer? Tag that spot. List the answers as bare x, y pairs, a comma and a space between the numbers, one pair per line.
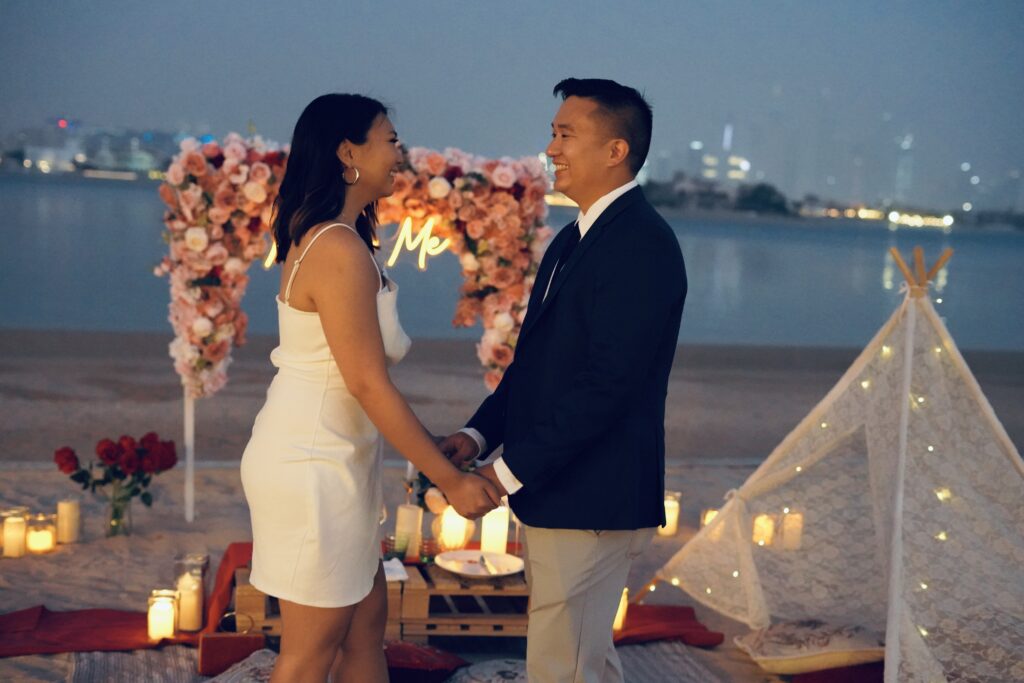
581, 409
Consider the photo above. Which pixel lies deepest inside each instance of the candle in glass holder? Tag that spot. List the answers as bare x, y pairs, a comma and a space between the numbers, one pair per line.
792, 530
69, 521
494, 536
671, 514
706, 516
190, 601
162, 614
41, 534
453, 529
764, 530
620, 614
14, 535
408, 530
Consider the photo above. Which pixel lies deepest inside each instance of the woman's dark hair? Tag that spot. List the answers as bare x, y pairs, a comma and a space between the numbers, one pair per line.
313, 188
625, 111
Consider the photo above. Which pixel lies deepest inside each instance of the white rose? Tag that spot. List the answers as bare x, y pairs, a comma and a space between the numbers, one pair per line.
254, 192
504, 323
492, 337
234, 266
438, 188
202, 327
196, 239
469, 263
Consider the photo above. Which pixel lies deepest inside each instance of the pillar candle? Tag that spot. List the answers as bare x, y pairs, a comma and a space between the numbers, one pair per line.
620, 614
40, 540
14, 536
671, 515
453, 529
494, 536
764, 529
408, 530
792, 530
69, 521
190, 602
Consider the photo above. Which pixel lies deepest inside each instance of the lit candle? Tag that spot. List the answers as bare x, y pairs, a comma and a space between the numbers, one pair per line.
453, 529
14, 536
494, 536
706, 516
69, 521
764, 529
190, 602
792, 530
161, 615
671, 514
620, 614
408, 530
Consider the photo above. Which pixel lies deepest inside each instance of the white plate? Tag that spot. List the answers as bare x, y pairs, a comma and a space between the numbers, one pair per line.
467, 563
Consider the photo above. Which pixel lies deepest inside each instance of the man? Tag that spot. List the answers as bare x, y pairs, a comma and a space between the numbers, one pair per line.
581, 410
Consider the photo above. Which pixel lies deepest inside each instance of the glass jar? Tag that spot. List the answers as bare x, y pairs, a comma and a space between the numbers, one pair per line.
12, 530
162, 614
41, 534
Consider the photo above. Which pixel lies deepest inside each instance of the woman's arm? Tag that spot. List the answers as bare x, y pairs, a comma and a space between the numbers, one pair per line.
343, 284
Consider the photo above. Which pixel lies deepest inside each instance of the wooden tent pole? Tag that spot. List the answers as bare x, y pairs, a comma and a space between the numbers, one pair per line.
938, 264
919, 266
902, 264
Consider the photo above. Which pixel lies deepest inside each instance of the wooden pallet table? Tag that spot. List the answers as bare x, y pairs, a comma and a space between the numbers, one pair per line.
436, 602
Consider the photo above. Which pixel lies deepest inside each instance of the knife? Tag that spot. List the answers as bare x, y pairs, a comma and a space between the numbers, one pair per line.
488, 565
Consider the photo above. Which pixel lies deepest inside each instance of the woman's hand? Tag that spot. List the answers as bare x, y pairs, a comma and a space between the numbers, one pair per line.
472, 496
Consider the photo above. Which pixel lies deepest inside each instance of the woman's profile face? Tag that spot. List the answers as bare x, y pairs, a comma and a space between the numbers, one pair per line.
378, 158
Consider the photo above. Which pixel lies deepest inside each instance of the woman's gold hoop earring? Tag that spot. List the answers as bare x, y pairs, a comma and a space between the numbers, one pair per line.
346, 179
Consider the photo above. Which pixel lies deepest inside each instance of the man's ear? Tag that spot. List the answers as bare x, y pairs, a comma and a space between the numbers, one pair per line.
618, 152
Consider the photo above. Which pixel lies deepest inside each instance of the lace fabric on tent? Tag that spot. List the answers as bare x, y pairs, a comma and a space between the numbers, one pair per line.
810, 534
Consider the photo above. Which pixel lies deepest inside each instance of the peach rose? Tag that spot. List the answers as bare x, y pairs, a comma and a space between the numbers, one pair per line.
435, 163
475, 229
259, 172
217, 254
175, 174
194, 163
501, 355
168, 195
234, 266
503, 176
211, 149
234, 150
492, 379
225, 198
219, 215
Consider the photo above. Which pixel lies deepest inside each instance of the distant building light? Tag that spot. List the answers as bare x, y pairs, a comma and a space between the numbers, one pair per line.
894, 216
710, 160
44, 166
975, 180
697, 145
27, 163
737, 175
80, 158
710, 173
745, 165
947, 220
965, 167
850, 213
968, 206
62, 123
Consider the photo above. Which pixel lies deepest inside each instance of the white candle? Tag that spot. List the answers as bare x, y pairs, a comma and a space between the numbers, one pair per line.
792, 530
494, 536
408, 530
620, 615
410, 471
69, 521
160, 618
764, 529
190, 602
14, 536
453, 529
671, 515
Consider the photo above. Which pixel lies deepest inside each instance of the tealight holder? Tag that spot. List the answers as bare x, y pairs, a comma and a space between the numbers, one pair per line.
41, 534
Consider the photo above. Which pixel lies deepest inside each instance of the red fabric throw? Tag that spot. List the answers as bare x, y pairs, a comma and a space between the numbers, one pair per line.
412, 663
862, 673
645, 623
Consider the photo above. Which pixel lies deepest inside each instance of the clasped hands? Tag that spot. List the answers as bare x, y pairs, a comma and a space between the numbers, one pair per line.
472, 494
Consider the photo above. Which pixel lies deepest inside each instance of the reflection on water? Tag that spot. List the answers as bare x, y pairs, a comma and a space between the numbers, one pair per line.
79, 255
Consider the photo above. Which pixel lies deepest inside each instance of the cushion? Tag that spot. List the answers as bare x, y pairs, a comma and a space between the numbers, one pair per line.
493, 671
413, 663
800, 646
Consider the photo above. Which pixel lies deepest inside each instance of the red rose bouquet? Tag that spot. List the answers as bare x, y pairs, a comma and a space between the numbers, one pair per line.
127, 466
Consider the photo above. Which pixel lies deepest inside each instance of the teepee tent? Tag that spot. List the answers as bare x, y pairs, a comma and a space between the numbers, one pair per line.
896, 505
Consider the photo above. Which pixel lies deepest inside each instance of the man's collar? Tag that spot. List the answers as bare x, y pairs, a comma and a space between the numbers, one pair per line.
586, 220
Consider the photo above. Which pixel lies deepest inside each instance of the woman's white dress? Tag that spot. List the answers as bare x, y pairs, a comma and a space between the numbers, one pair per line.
312, 469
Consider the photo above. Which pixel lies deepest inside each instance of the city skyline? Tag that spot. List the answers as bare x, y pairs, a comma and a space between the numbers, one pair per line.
850, 102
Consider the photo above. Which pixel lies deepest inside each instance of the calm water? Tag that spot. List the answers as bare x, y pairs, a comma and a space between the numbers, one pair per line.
79, 255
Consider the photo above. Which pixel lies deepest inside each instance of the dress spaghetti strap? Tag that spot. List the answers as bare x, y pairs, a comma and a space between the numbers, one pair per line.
298, 261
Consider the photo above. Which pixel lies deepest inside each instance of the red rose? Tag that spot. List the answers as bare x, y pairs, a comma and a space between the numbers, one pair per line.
150, 461
127, 444
149, 440
67, 461
130, 462
167, 456
108, 452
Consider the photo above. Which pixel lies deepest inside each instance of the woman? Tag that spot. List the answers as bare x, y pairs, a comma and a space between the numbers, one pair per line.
312, 469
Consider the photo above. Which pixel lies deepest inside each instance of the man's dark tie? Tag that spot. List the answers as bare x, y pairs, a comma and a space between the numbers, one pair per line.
567, 249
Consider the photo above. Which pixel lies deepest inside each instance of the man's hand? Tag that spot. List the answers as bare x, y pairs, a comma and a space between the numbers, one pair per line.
488, 473
460, 448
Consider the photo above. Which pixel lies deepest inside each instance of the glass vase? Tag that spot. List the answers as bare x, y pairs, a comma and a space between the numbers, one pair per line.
120, 518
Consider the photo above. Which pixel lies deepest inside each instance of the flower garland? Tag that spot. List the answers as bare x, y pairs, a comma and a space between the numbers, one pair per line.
493, 212
219, 200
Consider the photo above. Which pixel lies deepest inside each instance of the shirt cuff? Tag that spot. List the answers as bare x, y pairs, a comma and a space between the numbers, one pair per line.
481, 442
505, 476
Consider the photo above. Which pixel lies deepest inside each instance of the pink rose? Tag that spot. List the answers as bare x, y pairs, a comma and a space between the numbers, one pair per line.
219, 215
225, 198
435, 163
217, 254
503, 176
194, 163
259, 172
501, 355
235, 150
492, 379
475, 229
175, 174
